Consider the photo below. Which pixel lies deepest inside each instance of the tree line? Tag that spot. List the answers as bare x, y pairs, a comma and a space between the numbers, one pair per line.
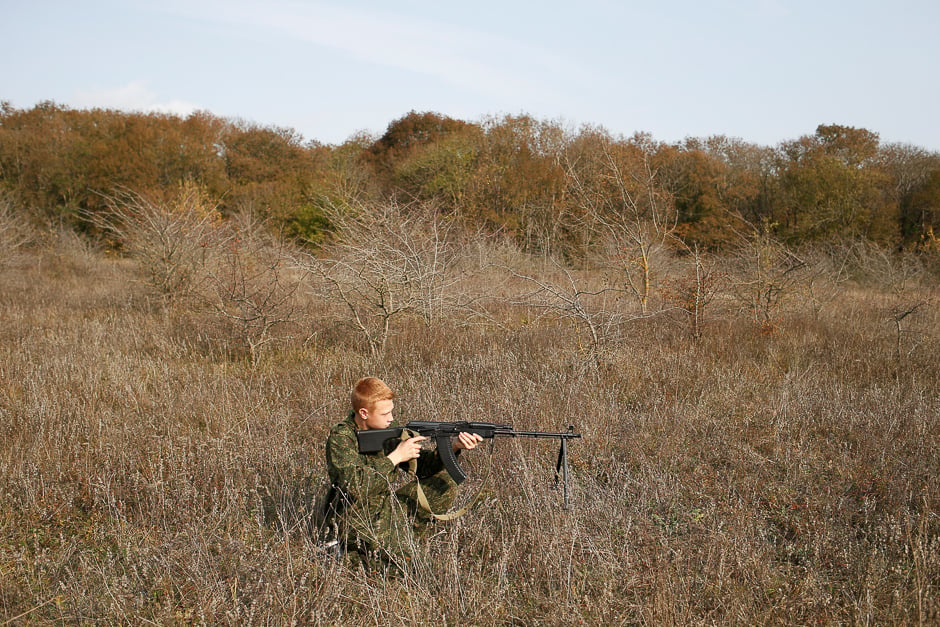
550, 188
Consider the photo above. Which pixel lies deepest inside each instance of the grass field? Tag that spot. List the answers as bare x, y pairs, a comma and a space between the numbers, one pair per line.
155, 467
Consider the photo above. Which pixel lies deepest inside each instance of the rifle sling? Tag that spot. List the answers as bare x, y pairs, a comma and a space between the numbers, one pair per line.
423, 500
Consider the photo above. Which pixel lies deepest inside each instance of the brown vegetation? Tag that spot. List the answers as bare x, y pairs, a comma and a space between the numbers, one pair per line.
767, 459
553, 189
746, 336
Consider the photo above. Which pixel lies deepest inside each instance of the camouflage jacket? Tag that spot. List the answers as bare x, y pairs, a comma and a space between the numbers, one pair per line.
372, 517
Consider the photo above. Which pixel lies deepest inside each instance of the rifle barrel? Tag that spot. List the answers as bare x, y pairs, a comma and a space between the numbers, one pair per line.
536, 434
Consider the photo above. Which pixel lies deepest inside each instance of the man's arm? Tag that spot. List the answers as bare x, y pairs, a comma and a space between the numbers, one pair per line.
359, 476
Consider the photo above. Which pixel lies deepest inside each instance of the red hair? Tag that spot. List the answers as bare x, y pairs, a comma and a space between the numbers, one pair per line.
369, 391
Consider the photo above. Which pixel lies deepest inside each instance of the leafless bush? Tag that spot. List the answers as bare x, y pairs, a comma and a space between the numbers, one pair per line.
825, 278
766, 274
170, 240
869, 264
636, 225
14, 231
911, 292
597, 310
234, 269
250, 284
386, 262
695, 287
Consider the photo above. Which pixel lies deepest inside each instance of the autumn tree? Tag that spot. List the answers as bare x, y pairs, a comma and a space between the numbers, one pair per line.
272, 174
348, 179
925, 206
504, 174
446, 172
716, 183
34, 146
64, 162
914, 188
830, 186
523, 180
511, 174
403, 138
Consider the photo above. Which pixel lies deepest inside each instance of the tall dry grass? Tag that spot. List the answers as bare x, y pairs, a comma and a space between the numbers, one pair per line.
153, 472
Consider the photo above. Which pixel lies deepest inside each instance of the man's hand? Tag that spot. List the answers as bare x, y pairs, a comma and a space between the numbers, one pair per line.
407, 450
467, 441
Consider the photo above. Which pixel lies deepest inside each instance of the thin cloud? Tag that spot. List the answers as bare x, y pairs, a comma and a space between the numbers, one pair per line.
134, 96
478, 62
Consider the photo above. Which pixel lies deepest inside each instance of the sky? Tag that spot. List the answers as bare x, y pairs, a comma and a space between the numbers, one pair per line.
764, 71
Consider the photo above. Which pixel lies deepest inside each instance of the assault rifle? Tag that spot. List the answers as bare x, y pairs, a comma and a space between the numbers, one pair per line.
373, 441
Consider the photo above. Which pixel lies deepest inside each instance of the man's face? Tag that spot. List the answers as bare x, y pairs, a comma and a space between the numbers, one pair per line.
380, 417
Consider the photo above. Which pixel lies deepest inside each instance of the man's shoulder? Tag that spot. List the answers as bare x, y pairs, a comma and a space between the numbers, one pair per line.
344, 429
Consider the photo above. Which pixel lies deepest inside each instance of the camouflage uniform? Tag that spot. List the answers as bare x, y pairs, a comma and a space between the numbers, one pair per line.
376, 523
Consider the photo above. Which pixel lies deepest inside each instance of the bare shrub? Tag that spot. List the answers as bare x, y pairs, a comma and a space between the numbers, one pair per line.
825, 277
911, 293
14, 231
632, 217
870, 264
234, 269
386, 262
169, 239
766, 274
696, 285
249, 283
595, 308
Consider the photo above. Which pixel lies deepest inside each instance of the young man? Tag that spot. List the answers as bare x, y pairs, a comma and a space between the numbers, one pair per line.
376, 523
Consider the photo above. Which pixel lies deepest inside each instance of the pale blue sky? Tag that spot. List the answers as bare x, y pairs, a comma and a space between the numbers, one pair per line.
765, 71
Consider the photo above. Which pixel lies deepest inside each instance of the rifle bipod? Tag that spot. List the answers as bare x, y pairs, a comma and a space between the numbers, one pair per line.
561, 467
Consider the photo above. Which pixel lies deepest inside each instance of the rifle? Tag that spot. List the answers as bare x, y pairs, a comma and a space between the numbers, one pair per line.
373, 441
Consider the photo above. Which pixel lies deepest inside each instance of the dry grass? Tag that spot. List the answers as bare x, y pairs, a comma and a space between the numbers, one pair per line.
783, 475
